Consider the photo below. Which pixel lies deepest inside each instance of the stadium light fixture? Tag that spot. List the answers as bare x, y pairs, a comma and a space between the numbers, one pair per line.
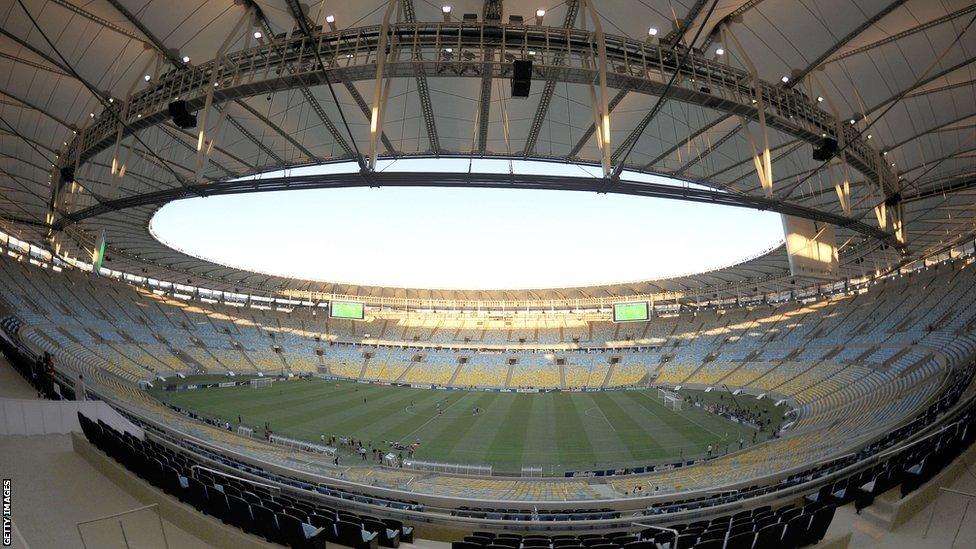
719, 51
539, 15
258, 35
446, 12
186, 58
652, 31
330, 19
785, 79
819, 99
147, 78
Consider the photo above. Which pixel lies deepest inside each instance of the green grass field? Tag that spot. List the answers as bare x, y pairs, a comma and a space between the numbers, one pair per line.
559, 431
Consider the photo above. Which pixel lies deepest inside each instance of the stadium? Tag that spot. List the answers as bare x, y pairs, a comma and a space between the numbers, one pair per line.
488, 274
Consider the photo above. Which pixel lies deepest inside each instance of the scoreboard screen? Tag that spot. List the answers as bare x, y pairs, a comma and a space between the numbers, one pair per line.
630, 312
346, 309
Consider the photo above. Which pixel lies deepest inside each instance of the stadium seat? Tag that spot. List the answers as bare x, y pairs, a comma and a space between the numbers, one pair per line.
387, 537
710, 535
406, 532
217, 505
797, 530
240, 512
196, 494
266, 523
819, 524
353, 535
769, 537
300, 535
743, 540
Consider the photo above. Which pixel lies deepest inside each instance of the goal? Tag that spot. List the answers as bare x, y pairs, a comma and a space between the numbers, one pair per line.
671, 399
673, 402
261, 382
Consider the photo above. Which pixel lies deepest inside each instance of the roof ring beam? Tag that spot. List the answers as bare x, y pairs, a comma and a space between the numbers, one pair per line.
637, 66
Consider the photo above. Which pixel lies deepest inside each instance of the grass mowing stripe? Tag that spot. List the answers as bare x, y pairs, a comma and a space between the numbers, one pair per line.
573, 438
465, 423
654, 419
559, 431
640, 437
608, 444
539, 445
430, 432
677, 422
411, 417
510, 437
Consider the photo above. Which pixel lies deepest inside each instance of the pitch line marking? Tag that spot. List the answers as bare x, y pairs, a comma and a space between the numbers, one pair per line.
602, 414
654, 400
435, 416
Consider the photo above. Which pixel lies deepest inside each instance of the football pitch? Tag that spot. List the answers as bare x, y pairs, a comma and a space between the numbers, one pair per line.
557, 431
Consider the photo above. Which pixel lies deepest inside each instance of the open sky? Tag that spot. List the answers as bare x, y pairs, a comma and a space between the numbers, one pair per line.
429, 237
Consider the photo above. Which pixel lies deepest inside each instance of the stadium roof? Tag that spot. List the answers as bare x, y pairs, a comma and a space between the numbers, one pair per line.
87, 86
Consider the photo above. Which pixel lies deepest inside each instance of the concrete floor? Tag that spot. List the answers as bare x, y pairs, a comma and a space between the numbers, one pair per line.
53, 489
951, 516
11, 384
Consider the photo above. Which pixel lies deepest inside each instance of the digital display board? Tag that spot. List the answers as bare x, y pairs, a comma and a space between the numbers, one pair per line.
630, 312
345, 309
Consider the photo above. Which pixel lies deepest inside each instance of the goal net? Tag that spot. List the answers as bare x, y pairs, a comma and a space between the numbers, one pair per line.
671, 399
260, 382
673, 402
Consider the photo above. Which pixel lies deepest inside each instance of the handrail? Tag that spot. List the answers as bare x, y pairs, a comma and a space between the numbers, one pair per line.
155, 506
235, 477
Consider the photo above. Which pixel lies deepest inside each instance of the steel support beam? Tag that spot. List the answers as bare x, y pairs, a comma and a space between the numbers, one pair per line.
867, 24
572, 9
907, 32
762, 158
600, 104
381, 86
423, 90
588, 134
306, 27
473, 180
638, 66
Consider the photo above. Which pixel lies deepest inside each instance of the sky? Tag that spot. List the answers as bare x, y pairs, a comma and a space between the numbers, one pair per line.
427, 237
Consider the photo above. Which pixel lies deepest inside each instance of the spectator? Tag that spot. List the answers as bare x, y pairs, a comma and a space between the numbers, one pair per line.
80, 389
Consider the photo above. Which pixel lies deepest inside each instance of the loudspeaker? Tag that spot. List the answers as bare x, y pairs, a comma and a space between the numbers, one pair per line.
826, 150
521, 78
181, 116
67, 174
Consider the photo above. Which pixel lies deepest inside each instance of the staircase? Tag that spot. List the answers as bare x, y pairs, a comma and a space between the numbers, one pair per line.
562, 376
405, 370
284, 363
456, 372
710, 357
508, 376
609, 376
